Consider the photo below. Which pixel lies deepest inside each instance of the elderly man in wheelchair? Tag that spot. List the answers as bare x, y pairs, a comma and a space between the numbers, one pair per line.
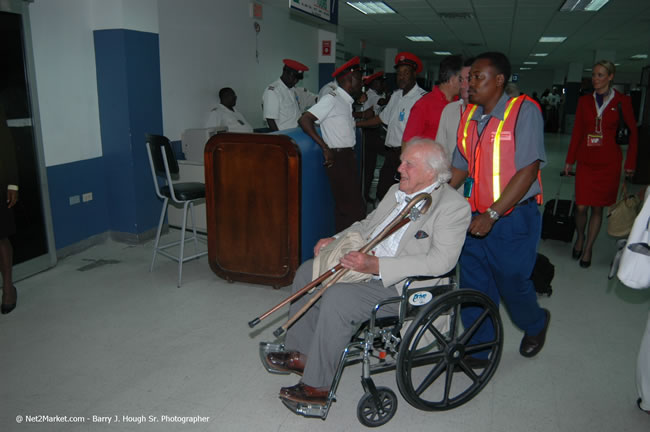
376, 318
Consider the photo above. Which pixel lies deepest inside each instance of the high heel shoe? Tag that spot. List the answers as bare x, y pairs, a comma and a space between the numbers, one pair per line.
576, 254
6, 308
585, 264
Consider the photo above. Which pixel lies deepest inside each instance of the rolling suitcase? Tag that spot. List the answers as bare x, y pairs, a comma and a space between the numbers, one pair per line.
558, 221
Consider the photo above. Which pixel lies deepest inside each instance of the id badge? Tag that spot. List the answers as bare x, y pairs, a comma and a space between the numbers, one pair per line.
401, 116
469, 185
594, 140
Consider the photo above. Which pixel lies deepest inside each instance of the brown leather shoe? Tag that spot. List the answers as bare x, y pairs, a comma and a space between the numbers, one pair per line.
287, 361
532, 345
305, 394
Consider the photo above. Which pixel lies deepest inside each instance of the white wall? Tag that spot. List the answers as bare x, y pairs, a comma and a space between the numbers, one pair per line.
212, 45
64, 59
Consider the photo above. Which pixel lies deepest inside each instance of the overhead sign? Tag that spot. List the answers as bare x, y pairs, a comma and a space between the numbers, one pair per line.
326, 10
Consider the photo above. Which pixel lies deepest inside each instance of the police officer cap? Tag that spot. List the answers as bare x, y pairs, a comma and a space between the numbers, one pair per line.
298, 67
370, 78
350, 66
409, 59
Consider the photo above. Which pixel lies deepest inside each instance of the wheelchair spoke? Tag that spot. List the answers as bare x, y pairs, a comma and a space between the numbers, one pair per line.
475, 325
431, 377
448, 380
454, 317
480, 347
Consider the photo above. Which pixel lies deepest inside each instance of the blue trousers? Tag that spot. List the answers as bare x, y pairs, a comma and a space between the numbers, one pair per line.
500, 265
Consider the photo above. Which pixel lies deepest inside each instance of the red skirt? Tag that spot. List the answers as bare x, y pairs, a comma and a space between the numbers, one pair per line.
597, 185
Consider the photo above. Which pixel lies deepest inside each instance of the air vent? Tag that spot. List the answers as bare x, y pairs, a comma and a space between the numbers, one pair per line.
456, 15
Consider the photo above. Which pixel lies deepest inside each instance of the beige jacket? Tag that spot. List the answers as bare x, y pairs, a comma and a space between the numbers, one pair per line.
441, 236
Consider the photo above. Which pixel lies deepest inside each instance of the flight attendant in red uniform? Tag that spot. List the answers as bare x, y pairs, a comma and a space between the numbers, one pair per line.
593, 146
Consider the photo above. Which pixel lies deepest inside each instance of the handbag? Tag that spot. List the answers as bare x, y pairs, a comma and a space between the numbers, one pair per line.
621, 215
622, 132
634, 267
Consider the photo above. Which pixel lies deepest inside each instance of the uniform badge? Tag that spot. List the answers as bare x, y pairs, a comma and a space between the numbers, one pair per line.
421, 234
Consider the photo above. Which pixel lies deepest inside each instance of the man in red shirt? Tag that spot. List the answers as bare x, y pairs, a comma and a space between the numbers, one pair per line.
425, 114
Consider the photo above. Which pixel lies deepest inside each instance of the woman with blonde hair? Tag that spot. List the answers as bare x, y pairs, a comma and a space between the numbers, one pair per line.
593, 147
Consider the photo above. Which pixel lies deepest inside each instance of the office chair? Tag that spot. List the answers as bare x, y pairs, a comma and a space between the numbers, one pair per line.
163, 165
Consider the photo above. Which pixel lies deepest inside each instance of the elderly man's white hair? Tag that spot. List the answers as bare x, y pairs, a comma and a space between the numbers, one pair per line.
436, 157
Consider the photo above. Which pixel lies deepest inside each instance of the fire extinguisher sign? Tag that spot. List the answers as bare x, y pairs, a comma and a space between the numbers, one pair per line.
326, 48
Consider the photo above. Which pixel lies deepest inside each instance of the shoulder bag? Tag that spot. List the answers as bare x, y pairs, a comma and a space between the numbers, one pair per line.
620, 217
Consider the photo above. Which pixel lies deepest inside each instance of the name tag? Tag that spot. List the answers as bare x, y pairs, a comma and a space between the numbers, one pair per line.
594, 140
505, 136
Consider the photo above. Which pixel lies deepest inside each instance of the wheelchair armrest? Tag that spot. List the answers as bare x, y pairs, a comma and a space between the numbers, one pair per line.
407, 284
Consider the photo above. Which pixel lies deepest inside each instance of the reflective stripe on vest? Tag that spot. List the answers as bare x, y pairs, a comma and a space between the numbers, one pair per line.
496, 153
471, 113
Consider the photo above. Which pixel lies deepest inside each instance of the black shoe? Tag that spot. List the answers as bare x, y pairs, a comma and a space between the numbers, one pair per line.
576, 254
532, 345
638, 403
585, 264
6, 308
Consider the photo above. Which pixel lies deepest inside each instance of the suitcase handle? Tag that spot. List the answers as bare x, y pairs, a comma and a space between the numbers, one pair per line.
559, 189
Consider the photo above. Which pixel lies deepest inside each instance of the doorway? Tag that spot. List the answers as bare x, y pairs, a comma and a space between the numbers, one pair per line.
33, 242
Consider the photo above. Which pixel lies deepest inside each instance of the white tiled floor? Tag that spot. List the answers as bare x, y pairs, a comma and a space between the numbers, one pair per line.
117, 340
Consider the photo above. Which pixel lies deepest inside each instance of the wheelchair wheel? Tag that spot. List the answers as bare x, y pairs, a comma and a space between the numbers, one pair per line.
435, 367
371, 415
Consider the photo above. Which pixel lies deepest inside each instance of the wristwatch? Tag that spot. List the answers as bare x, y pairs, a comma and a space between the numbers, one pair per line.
493, 214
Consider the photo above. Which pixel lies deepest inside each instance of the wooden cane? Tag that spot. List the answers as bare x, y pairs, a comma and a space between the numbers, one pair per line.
398, 222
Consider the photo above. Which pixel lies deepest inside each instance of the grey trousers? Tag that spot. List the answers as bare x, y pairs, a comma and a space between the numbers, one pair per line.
323, 331
643, 369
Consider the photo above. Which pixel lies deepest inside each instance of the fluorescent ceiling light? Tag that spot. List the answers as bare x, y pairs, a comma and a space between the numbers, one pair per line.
552, 39
639, 56
539, 54
442, 53
371, 8
582, 5
530, 62
419, 38
617, 64
588, 69
524, 68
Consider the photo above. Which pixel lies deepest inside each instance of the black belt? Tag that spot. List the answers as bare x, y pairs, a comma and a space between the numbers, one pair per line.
338, 150
393, 149
526, 201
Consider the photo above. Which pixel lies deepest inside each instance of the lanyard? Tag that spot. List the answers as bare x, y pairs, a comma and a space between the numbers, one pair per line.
606, 100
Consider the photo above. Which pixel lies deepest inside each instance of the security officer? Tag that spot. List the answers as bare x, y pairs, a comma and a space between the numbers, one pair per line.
279, 102
396, 115
373, 138
334, 112
500, 149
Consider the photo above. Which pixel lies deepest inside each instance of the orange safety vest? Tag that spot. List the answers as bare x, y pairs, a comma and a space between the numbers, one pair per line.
491, 164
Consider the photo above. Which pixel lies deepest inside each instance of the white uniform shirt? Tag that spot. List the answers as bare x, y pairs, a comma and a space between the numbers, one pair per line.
305, 98
233, 120
373, 98
334, 112
396, 114
279, 103
330, 86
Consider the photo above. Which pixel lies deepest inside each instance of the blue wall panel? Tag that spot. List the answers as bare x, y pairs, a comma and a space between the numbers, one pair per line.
130, 105
73, 223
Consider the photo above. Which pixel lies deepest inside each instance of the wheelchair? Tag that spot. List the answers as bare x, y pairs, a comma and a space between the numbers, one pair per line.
426, 344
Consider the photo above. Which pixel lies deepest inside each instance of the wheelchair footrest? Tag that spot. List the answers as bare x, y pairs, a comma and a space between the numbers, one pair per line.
266, 348
307, 409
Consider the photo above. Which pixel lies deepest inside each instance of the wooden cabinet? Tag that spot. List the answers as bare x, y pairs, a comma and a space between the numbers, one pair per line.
253, 207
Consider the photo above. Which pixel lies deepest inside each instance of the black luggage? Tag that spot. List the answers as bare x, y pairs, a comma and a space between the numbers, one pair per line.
558, 221
543, 275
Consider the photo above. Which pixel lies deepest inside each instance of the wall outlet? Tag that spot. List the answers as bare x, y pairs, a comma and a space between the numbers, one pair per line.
87, 197
74, 199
